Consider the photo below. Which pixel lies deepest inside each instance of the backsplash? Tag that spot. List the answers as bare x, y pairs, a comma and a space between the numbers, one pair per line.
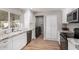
71, 26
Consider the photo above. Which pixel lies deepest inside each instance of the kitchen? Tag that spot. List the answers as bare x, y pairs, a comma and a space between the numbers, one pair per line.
17, 27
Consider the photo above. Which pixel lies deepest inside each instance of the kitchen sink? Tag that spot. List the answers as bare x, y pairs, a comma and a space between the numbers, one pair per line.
13, 33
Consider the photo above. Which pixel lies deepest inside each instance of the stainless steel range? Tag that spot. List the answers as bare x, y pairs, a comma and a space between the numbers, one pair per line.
64, 41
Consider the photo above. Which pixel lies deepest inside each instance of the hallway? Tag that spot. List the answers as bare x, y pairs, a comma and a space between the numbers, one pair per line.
40, 44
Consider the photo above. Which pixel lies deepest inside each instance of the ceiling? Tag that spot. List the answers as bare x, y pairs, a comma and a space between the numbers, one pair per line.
43, 9
46, 9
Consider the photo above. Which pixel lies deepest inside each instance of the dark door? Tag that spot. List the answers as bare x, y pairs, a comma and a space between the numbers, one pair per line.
29, 36
38, 32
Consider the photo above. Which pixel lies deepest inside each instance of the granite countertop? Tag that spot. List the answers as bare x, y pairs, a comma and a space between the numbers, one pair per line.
74, 41
16, 32
9, 35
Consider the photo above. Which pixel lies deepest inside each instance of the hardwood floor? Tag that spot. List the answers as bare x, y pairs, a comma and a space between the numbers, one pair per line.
40, 44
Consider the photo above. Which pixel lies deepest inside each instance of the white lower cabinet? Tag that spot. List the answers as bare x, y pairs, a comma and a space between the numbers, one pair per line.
6, 44
14, 43
71, 46
10, 42
19, 41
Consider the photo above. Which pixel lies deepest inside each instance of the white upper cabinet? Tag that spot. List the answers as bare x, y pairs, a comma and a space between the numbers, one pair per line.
29, 19
64, 16
65, 11
32, 20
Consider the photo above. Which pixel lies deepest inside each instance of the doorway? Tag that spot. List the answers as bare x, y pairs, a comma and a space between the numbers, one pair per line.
39, 31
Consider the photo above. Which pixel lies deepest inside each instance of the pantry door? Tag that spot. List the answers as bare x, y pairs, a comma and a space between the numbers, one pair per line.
51, 27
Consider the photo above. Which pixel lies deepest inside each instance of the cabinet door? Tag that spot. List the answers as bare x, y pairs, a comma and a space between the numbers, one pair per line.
71, 46
16, 42
6, 44
10, 42
23, 40
19, 41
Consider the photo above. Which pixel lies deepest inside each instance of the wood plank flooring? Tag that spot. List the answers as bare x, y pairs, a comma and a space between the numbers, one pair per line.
40, 44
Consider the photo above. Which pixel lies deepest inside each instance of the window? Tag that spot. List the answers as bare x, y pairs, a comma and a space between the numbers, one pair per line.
14, 21
3, 20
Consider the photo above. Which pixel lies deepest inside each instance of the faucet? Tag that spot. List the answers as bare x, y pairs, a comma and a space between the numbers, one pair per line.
12, 29
5, 32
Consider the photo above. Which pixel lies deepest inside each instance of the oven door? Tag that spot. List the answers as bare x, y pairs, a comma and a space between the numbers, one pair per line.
63, 43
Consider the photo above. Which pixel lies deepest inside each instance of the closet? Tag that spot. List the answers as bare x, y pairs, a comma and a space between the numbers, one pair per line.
51, 27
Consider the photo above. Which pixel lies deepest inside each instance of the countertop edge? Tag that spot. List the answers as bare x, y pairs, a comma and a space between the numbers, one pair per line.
12, 35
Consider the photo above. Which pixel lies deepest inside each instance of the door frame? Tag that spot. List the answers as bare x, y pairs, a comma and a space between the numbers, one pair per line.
43, 24
44, 27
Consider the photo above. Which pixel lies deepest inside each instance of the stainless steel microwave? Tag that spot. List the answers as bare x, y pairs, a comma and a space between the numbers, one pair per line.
73, 17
